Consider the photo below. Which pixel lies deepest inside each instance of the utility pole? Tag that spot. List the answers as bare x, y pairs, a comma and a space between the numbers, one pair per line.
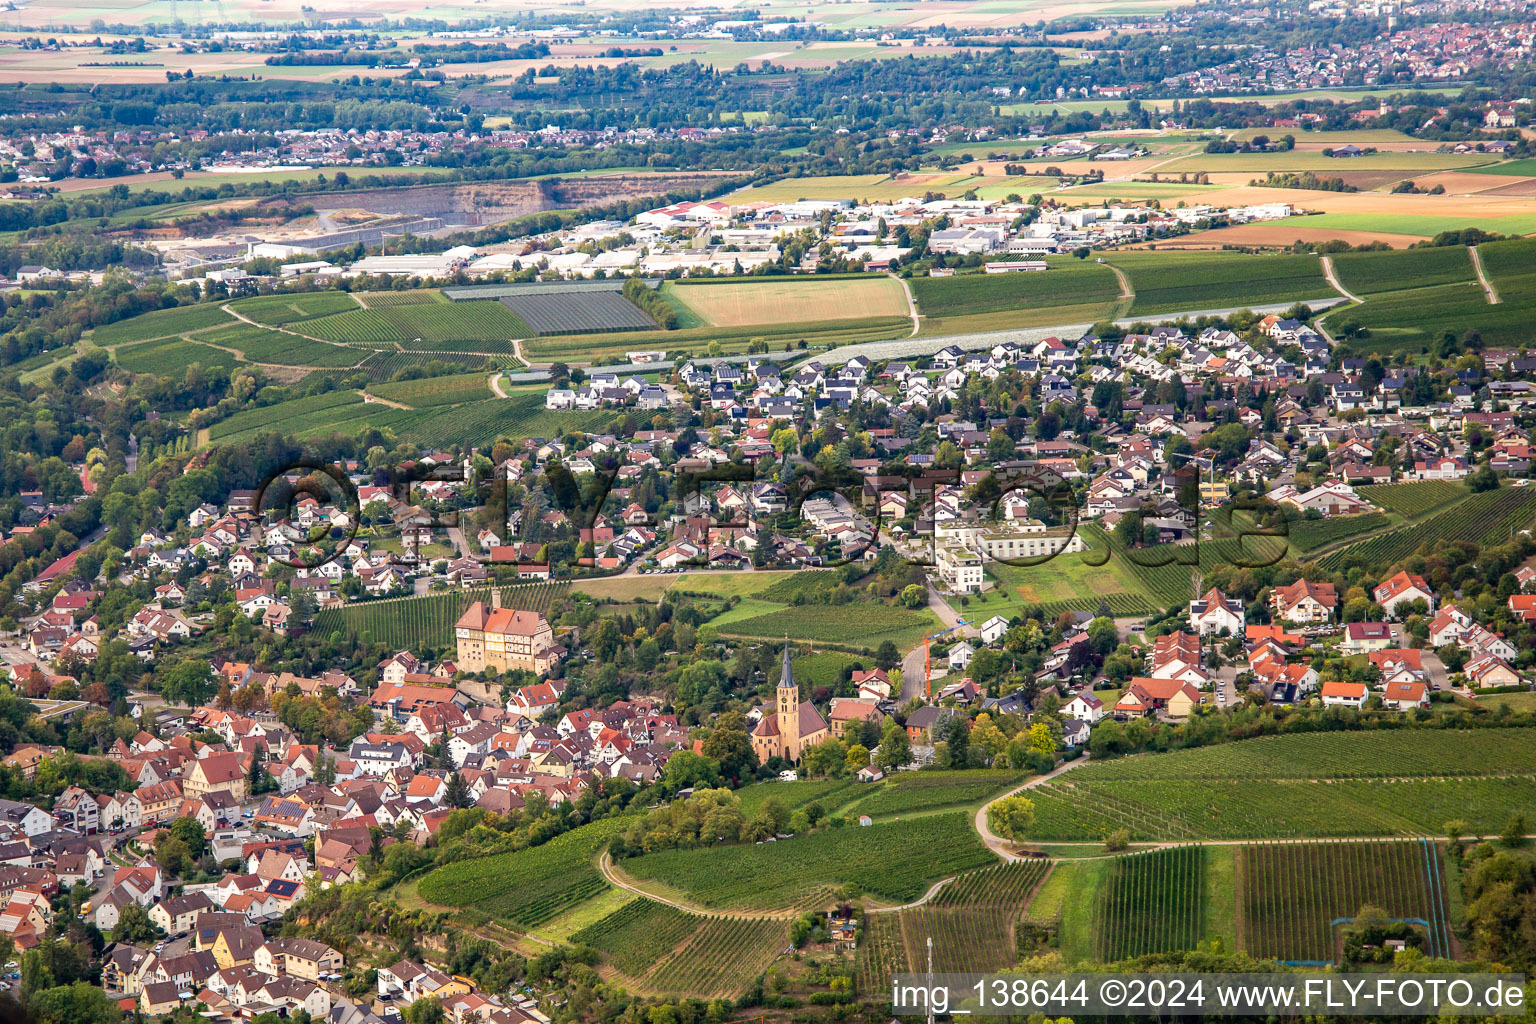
930, 979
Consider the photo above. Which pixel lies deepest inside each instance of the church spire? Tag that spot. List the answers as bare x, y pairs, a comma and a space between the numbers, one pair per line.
786, 674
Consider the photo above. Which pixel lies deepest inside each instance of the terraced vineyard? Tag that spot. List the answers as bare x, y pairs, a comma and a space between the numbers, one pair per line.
170, 357
1308, 535
428, 621
863, 625
1491, 517
430, 392
661, 949
487, 326
279, 310
915, 791
530, 886
384, 365
162, 323
631, 937
1390, 270
292, 417
1400, 782
1292, 894
1387, 753
722, 959
893, 861
973, 923
1174, 282
419, 297
260, 345
1412, 500
1150, 903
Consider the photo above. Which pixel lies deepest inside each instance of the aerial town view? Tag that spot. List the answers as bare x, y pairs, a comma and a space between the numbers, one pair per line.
724, 511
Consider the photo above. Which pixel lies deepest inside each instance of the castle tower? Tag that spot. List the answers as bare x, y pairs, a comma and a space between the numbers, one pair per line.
789, 709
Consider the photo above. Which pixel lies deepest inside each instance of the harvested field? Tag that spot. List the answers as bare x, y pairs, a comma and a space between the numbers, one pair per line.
1467, 183
1478, 207
764, 301
1279, 235
1524, 188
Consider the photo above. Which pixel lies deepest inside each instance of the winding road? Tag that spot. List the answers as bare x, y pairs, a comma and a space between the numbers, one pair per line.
998, 844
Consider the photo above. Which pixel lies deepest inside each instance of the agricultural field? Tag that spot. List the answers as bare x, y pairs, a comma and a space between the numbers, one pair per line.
888, 188
830, 793
895, 862
779, 336
381, 366
1406, 783
416, 297
1491, 517
281, 310
170, 357
1299, 160
531, 886
766, 609
162, 323
972, 921
1068, 282
909, 792
428, 621
721, 959
1411, 500
1292, 895
580, 312
260, 345
774, 300
1308, 535
429, 392
293, 417
1175, 282
861, 626
481, 326
662, 949
1150, 903
1365, 273
1353, 755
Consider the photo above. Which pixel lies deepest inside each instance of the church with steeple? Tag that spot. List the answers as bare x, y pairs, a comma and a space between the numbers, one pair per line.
790, 726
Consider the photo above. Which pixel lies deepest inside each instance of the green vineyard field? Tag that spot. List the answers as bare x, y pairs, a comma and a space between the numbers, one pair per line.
418, 622
1414, 499
530, 886
973, 923
895, 861
1487, 518
1293, 893
1150, 903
